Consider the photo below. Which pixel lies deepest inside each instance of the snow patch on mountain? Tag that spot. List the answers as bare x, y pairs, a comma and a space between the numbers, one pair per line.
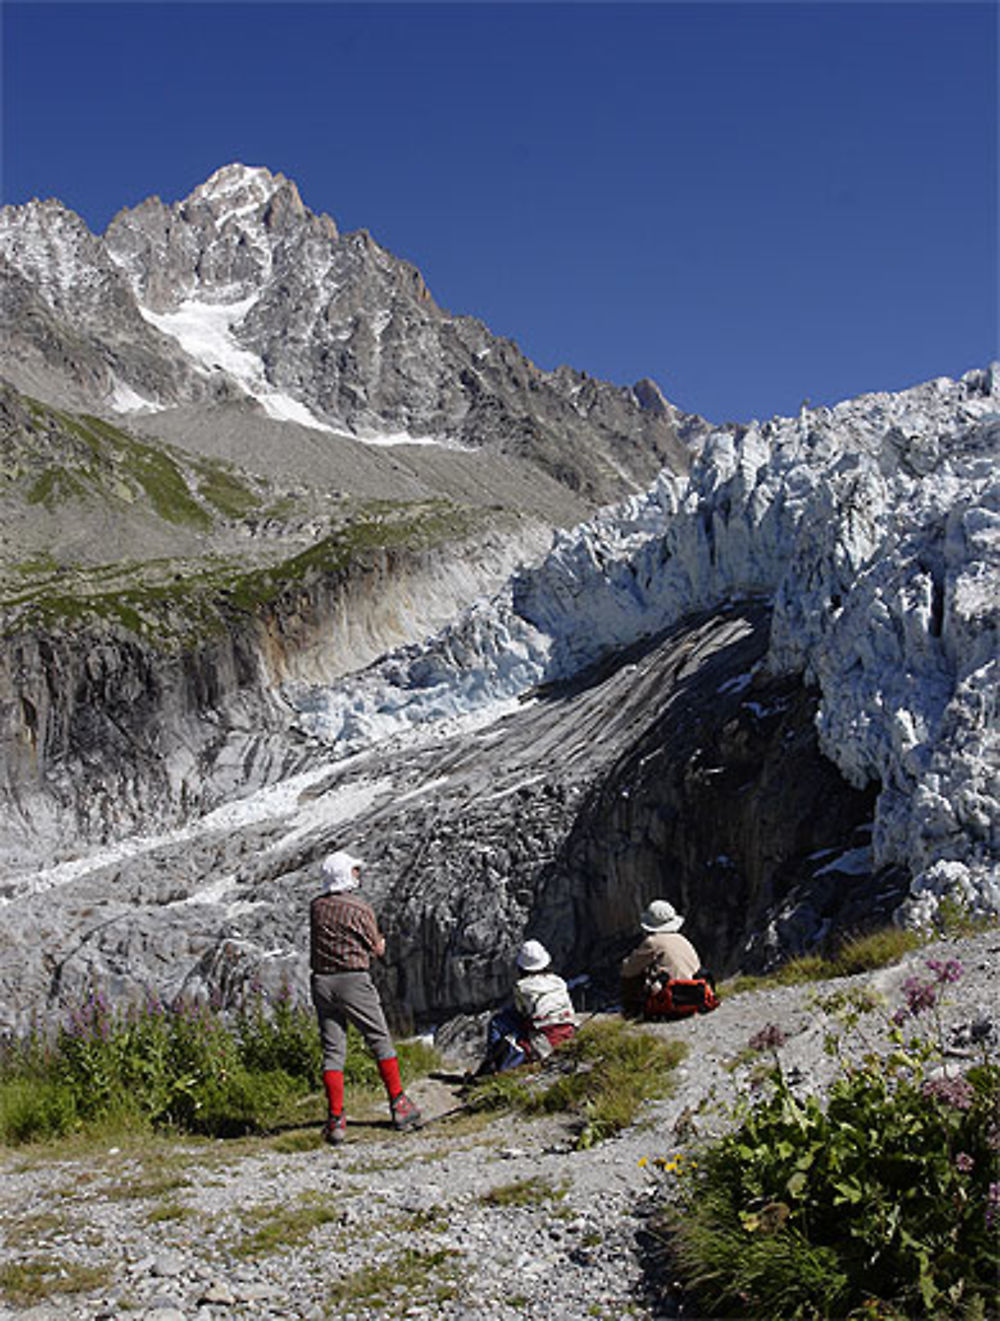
238, 189
873, 527
206, 333
388, 440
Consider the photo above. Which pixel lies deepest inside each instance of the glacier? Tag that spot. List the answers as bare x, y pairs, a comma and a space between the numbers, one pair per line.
873, 529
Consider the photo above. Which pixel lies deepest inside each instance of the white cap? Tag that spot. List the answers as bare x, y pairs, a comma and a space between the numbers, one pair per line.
533, 956
338, 872
661, 916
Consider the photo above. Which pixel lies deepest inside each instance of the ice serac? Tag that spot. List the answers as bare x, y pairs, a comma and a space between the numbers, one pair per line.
873, 528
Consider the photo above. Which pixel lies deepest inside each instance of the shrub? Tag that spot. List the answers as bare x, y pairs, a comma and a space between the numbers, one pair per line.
35, 1111
886, 1196
183, 1068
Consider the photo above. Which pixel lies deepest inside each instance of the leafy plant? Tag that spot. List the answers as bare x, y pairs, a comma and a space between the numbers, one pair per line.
886, 1195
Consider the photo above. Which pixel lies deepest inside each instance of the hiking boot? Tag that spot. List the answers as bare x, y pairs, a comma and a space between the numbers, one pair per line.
335, 1130
404, 1113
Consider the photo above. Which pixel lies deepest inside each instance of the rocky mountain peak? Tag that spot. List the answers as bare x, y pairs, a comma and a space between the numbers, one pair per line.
237, 188
650, 396
240, 291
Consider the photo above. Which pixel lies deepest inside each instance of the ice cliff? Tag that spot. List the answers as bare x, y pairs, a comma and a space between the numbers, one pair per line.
873, 528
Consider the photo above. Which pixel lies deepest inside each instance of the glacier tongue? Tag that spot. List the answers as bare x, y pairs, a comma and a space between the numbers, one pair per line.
874, 527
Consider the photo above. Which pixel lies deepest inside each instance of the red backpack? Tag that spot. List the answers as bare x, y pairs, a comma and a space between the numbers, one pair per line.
679, 997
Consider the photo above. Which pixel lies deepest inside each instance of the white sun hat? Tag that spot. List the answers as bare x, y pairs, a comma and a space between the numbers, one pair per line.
661, 916
533, 956
338, 872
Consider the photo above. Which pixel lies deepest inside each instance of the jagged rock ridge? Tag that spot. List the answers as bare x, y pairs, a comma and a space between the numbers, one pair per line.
240, 291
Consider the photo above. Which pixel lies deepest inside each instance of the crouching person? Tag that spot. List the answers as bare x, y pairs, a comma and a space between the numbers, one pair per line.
343, 938
541, 1018
663, 976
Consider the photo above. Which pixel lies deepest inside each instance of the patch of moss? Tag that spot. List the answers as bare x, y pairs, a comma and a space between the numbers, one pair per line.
53, 487
30, 1281
226, 492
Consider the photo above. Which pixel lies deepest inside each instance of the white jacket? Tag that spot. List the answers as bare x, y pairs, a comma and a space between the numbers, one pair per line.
543, 999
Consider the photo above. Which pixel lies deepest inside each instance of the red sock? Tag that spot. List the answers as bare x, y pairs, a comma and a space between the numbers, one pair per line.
333, 1081
389, 1069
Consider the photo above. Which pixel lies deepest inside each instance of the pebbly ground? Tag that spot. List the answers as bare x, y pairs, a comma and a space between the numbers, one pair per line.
422, 1225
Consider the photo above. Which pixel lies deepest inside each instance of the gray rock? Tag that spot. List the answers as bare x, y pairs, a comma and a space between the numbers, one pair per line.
219, 1293
168, 1265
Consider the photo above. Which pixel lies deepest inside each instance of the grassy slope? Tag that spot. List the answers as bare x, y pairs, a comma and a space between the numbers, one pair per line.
165, 544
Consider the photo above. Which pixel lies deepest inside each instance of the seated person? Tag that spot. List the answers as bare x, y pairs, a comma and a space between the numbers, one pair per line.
663, 948
541, 1018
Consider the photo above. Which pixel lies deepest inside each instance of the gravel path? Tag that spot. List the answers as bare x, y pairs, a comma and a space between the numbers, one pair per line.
472, 1217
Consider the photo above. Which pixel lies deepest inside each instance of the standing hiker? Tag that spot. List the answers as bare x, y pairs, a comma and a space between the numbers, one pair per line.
541, 1018
343, 937
664, 955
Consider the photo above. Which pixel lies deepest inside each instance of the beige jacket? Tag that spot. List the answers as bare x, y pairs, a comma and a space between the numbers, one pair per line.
660, 949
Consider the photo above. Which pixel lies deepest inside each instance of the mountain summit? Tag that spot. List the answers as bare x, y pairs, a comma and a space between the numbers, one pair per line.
240, 293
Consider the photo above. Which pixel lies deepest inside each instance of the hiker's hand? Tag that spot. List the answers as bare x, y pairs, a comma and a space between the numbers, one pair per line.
379, 948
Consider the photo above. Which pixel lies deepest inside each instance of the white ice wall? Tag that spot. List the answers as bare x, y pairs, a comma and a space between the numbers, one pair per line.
874, 527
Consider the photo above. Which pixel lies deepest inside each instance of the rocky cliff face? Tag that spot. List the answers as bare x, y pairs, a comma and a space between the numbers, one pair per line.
104, 731
563, 818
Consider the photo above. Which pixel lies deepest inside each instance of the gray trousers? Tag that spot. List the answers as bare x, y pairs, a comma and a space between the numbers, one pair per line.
349, 997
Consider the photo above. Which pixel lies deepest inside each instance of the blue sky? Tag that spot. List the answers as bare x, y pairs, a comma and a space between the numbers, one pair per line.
751, 203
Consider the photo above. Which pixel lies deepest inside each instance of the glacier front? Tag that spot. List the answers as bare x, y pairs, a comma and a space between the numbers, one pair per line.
872, 528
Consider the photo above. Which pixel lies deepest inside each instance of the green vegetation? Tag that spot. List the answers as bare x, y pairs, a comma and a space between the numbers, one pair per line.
179, 603
274, 1227
523, 1192
378, 525
168, 1213
411, 1278
57, 457
600, 1078
152, 1068
35, 1279
884, 1201
108, 463
857, 954
26, 1230
53, 487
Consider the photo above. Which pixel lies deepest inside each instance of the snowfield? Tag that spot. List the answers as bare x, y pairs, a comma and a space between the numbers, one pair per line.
873, 527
